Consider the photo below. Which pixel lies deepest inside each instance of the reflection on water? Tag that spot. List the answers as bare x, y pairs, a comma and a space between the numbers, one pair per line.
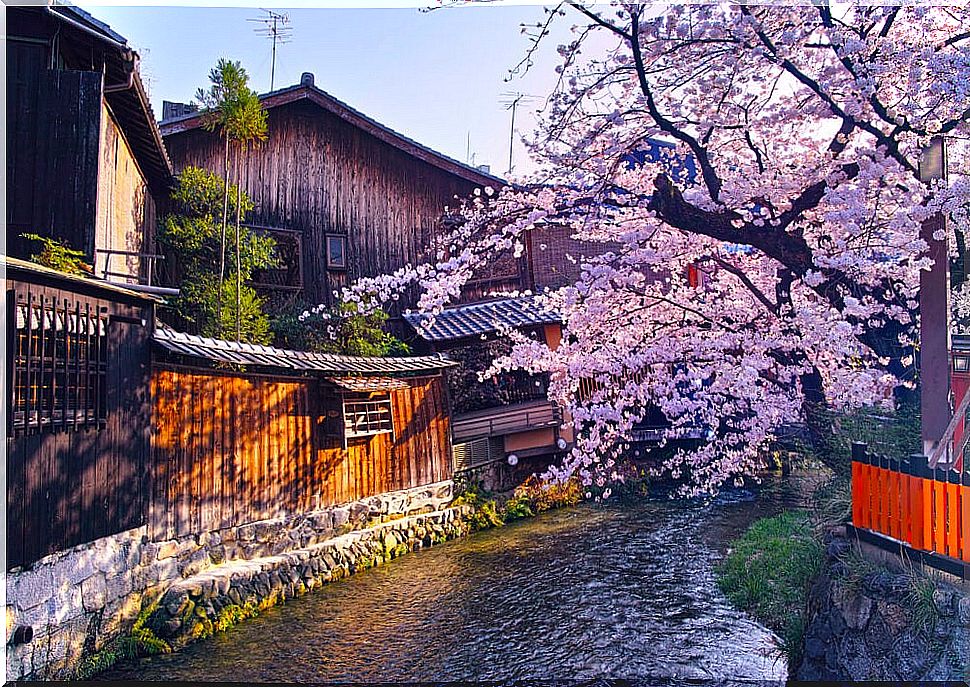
616, 591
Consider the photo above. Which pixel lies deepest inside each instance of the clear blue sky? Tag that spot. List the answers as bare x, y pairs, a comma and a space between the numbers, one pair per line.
434, 76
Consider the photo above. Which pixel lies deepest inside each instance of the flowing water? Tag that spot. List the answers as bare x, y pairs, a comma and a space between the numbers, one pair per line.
614, 591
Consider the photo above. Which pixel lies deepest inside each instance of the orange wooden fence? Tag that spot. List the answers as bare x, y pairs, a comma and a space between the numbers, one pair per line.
927, 509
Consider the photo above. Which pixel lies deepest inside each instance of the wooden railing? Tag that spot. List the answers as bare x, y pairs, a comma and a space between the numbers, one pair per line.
505, 420
926, 509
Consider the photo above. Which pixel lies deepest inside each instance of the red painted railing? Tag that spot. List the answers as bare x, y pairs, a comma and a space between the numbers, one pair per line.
925, 508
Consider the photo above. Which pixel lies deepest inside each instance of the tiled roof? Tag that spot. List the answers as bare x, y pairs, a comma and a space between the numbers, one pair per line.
367, 384
217, 350
311, 93
482, 318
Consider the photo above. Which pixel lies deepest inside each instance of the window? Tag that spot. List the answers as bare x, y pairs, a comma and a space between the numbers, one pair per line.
336, 251
365, 417
59, 364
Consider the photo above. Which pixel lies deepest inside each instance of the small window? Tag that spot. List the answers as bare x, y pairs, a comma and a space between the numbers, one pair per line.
336, 252
366, 417
59, 353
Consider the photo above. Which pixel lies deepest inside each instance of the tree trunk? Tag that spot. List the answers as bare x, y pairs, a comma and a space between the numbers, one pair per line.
818, 422
238, 256
222, 244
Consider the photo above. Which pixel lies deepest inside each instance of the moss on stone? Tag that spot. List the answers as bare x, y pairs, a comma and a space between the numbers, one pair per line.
140, 641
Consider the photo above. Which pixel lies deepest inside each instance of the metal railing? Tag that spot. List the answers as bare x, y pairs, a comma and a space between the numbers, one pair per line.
148, 258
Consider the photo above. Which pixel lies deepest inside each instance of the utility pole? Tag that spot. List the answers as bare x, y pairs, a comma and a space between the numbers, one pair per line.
275, 26
934, 310
511, 102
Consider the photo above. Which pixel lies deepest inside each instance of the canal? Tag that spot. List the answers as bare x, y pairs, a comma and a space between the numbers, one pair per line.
616, 591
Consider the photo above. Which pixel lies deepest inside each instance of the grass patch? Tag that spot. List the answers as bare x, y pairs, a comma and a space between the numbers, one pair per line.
768, 571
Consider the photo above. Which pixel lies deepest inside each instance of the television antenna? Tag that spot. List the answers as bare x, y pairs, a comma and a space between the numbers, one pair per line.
511, 100
275, 26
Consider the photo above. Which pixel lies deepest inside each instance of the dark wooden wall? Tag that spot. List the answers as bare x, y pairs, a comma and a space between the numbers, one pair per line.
53, 130
319, 174
230, 449
70, 486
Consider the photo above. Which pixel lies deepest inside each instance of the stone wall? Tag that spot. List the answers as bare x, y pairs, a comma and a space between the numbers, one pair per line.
868, 621
203, 603
76, 601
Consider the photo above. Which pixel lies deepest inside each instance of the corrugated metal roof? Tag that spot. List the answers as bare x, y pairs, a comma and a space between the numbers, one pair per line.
482, 318
217, 350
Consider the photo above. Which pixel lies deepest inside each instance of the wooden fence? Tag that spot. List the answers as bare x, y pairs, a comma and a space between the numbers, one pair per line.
229, 449
926, 509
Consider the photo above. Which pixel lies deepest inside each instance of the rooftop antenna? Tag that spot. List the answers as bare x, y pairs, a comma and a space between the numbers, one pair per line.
511, 100
275, 26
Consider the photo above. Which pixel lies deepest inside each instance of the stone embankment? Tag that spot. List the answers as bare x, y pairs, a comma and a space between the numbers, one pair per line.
72, 604
870, 622
210, 601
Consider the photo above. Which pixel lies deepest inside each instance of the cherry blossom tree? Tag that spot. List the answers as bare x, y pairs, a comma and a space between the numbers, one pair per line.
789, 177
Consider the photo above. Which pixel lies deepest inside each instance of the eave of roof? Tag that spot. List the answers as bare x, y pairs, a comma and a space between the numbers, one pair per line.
475, 319
134, 113
284, 96
328, 364
130, 106
15, 265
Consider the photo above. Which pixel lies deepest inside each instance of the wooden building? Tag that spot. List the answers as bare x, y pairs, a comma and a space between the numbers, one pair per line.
85, 159
113, 424
78, 410
296, 431
344, 195
507, 414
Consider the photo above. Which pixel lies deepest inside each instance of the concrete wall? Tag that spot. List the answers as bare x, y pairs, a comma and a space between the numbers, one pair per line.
78, 600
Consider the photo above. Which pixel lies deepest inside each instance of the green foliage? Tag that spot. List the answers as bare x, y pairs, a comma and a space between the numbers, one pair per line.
542, 496
203, 296
832, 502
57, 255
892, 432
230, 106
919, 602
516, 508
140, 641
193, 235
339, 330
485, 510
532, 497
768, 572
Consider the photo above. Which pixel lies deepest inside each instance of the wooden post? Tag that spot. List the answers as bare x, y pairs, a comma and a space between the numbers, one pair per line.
859, 488
934, 306
965, 515
917, 467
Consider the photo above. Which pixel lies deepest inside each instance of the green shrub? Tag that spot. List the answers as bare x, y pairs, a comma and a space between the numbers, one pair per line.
768, 572
57, 255
517, 508
192, 237
340, 329
542, 496
484, 508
